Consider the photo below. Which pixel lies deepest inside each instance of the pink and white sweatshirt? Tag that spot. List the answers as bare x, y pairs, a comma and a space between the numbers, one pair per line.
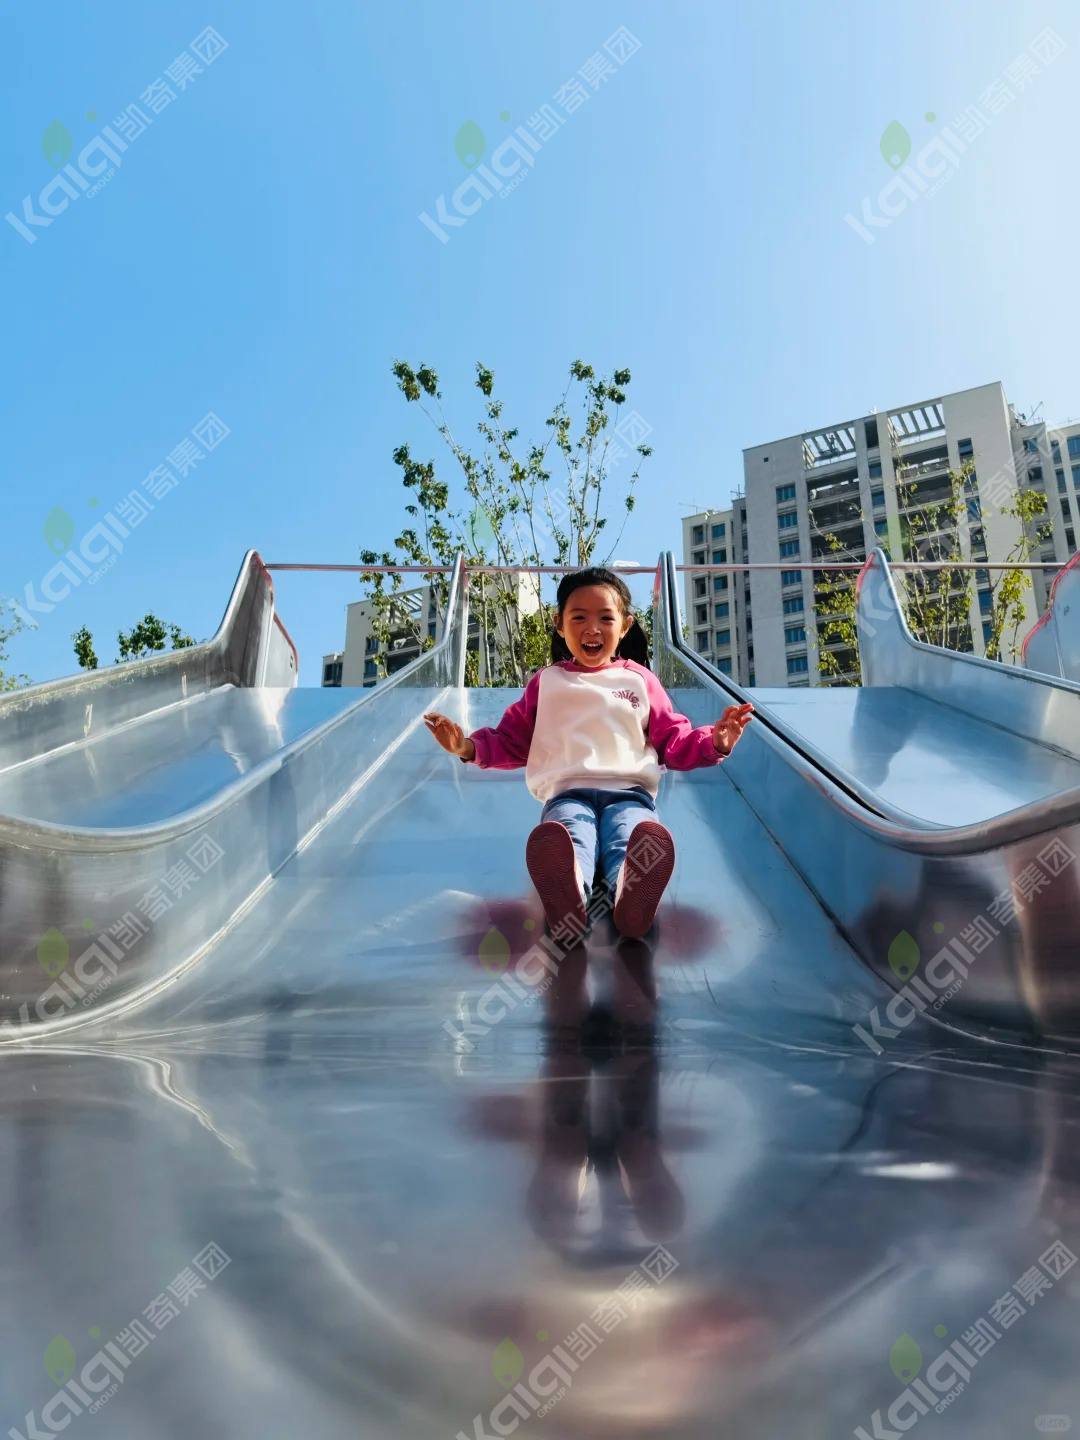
611, 728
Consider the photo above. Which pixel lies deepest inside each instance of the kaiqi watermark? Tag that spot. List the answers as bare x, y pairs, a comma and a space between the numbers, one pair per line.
545, 523
104, 1373
950, 967
551, 1378
951, 1371
521, 147
103, 543
539, 966
937, 160
106, 148
96, 968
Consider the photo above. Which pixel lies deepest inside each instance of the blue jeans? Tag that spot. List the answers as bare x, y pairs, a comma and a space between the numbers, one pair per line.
600, 824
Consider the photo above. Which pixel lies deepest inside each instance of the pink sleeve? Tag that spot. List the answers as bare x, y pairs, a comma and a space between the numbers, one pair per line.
506, 746
678, 744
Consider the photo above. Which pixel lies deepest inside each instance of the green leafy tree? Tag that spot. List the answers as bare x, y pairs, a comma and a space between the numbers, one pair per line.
1012, 588
145, 638
514, 497
148, 636
9, 628
84, 649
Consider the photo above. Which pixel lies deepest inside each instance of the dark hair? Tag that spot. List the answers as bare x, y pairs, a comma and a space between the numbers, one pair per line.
634, 645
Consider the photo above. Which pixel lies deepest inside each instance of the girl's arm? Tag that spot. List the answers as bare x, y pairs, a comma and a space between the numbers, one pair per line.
679, 744
506, 746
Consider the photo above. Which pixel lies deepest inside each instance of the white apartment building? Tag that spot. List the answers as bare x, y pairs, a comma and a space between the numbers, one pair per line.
843, 479
417, 615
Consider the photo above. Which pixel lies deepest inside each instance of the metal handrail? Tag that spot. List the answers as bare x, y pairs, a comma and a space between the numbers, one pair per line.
858, 801
793, 564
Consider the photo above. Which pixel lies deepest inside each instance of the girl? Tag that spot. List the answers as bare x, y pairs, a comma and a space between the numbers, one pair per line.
592, 730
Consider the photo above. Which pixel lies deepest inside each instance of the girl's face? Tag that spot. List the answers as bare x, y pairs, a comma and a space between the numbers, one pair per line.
592, 624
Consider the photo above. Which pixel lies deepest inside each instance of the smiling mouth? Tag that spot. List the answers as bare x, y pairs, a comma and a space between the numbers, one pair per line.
594, 647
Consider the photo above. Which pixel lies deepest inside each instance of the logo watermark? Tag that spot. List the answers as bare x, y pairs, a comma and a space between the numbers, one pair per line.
937, 161
57, 144
520, 148
96, 968
550, 1379
950, 1372
103, 1374
548, 954
949, 968
104, 542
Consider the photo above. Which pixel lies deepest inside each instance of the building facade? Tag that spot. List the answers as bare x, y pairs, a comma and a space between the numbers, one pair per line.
860, 481
417, 615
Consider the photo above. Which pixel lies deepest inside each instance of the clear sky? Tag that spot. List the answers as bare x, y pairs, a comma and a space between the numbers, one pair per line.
257, 255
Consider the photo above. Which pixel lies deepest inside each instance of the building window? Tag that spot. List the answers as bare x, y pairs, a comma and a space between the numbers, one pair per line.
788, 547
793, 605
1076, 476
988, 630
1055, 451
701, 614
718, 531
332, 673
1065, 510
722, 610
724, 665
701, 586
1063, 489
723, 637
1069, 541
699, 557
1031, 445
870, 432
1035, 475
788, 520
797, 665
432, 627
1074, 447
875, 469
877, 498
985, 601
794, 634
790, 577
699, 535
702, 641
964, 449
371, 645
881, 527
370, 669
719, 582
719, 557
784, 492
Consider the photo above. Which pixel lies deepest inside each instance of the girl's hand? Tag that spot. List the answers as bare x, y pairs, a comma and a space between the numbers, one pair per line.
729, 727
450, 736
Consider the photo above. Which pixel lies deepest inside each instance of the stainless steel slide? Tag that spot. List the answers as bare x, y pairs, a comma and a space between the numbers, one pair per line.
343, 1148
935, 812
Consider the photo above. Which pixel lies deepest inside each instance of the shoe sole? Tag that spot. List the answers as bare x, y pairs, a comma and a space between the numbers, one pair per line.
636, 907
550, 857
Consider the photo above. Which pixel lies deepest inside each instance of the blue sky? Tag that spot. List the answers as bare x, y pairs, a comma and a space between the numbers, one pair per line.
257, 255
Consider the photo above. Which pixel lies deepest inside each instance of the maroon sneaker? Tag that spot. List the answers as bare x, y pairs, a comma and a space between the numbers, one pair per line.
650, 860
553, 868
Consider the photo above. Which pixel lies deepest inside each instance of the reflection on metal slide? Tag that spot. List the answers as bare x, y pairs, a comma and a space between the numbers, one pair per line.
1053, 644
308, 1132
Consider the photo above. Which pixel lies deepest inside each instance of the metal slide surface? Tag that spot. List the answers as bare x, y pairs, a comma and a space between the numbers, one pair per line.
412, 1197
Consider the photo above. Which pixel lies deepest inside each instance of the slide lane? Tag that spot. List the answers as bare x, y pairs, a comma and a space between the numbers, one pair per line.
402, 1187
